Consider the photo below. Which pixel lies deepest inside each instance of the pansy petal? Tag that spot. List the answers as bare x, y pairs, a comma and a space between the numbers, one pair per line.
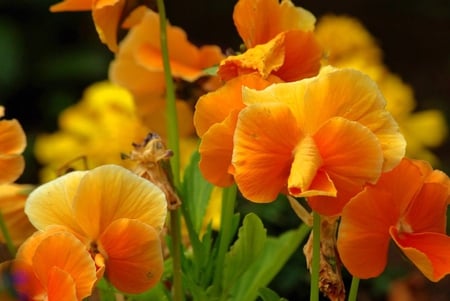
72, 5
24, 279
215, 106
349, 149
60, 285
12, 137
351, 94
301, 58
110, 192
65, 251
135, 262
12, 203
51, 203
428, 210
258, 21
107, 19
363, 237
428, 251
11, 166
215, 149
264, 139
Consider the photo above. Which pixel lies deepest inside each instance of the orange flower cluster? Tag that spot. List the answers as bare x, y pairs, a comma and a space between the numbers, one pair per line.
279, 125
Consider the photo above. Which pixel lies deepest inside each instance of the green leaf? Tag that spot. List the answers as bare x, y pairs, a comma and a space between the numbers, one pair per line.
269, 295
276, 252
159, 292
196, 192
246, 249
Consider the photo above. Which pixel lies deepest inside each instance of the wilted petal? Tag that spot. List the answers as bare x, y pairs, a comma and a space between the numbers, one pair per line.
109, 192
52, 202
363, 237
264, 59
428, 251
134, 260
265, 137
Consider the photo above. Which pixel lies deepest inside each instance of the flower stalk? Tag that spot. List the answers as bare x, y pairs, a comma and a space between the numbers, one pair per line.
315, 265
172, 130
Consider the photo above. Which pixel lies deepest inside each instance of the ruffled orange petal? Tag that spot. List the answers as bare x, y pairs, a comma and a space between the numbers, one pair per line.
433, 175
12, 203
302, 55
24, 280
352, 95
64, 251
51, 203
11, 166
428, 251
135, 262
215, 150
109, 192
72, 5
60, 285
363, 237
258, 21
107, 15
215, 106
427, 211
264, 59
265, 136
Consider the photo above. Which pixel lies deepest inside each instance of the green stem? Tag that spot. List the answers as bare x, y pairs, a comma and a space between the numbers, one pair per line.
173, 144
226, 230
175, 232
172, 120
315, 265
353, 289
7, 236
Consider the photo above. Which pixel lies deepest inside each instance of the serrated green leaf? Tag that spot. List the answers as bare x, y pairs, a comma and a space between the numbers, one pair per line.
269, 295
246, 249
276, 252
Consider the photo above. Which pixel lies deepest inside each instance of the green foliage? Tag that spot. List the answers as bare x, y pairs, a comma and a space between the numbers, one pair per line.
269, 295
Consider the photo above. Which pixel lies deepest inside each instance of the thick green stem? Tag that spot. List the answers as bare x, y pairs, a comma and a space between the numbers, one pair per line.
7, 237
315, 265
172, 120
353, 289
226, 229
173, 144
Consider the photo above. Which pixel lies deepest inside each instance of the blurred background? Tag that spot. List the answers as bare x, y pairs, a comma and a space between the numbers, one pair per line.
47, 60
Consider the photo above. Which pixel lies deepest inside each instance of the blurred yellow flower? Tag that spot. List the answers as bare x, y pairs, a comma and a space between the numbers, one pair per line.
99, 128
348, 44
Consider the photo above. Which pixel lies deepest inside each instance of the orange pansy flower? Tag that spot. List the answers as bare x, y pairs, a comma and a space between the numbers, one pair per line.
407, 205
107, 15
12, 203
53, 265
321, 138
279, 39
215, 120
12, 144
115, 213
